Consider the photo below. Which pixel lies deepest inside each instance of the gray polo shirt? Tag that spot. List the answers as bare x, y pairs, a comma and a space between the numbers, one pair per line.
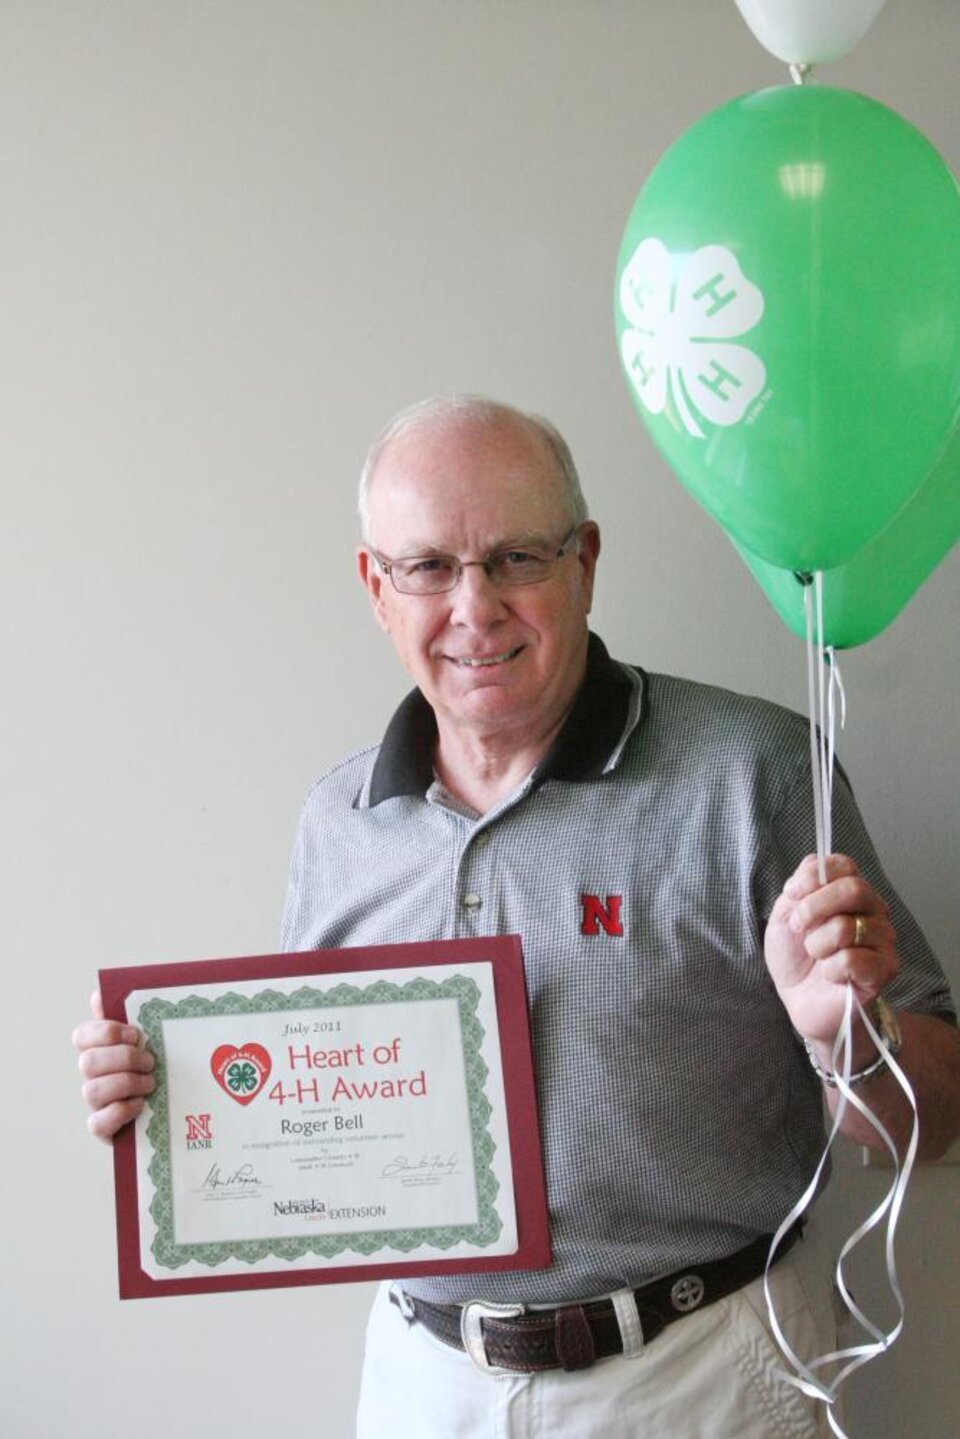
639, 862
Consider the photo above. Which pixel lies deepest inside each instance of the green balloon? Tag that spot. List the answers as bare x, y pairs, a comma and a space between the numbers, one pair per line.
866, 594
788, 316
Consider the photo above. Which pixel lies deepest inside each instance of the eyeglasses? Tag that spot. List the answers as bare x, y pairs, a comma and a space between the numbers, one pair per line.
436, 574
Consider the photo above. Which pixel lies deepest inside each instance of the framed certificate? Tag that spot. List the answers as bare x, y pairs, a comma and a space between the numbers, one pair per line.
330, 1116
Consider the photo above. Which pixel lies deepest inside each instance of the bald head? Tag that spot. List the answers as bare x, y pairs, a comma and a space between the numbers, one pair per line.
443, 412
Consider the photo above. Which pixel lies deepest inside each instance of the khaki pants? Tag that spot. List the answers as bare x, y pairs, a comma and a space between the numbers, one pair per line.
711, 1375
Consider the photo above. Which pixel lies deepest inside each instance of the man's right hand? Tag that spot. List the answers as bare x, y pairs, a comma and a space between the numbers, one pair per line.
117, 1070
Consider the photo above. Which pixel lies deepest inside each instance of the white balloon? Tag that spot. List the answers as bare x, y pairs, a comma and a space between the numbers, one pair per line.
809, 32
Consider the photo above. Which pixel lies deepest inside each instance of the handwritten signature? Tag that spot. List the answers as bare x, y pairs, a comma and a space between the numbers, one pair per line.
241, 1178
427, 1167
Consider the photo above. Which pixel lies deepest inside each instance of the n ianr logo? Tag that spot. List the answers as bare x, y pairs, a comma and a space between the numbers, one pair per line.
199, 1131
596, 916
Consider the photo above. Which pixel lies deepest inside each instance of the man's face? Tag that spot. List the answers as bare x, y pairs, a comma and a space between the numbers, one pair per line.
499, 662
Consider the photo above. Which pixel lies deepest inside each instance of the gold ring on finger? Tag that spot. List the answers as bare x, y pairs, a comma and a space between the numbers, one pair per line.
859, 931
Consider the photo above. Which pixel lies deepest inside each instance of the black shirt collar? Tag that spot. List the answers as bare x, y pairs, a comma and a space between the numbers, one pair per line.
590, 733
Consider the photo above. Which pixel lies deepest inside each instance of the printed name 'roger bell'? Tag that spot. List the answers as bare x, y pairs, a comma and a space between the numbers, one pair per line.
307, 1128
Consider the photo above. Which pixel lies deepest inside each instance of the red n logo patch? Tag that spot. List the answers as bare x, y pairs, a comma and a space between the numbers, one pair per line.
596, 916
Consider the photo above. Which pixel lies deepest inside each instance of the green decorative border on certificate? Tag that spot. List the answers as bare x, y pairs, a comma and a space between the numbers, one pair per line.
484, 1232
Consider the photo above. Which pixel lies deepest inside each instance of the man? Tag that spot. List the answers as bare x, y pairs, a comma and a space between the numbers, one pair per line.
647, 838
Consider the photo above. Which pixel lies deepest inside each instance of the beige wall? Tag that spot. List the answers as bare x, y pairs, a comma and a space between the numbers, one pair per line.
236, 234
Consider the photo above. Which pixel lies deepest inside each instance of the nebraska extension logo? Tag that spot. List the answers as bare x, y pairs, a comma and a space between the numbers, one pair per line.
241, 1072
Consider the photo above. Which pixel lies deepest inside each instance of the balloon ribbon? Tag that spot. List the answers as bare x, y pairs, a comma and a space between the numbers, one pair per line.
806, 1376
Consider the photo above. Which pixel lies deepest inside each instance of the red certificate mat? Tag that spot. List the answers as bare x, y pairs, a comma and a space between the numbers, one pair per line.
330, 1116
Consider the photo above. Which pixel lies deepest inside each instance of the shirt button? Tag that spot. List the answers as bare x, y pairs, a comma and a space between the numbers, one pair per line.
482, 839
472, 901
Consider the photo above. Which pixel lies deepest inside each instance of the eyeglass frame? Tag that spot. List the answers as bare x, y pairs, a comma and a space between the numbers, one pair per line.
386, 564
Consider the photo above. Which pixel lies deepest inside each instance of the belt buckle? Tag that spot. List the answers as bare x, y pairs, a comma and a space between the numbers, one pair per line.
471, 1333
400, 1297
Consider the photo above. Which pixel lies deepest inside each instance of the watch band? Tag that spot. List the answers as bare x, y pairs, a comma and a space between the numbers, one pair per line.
884, 1020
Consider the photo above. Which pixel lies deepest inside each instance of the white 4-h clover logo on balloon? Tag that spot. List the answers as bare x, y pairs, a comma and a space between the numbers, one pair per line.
678, 346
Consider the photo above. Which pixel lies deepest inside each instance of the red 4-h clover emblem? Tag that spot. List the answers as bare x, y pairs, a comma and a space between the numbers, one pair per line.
242, 1072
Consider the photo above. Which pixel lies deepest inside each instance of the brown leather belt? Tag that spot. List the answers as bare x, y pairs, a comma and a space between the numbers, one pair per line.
574, 1336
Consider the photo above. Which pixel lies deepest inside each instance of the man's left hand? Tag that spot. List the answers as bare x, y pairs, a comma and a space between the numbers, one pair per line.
818, 937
